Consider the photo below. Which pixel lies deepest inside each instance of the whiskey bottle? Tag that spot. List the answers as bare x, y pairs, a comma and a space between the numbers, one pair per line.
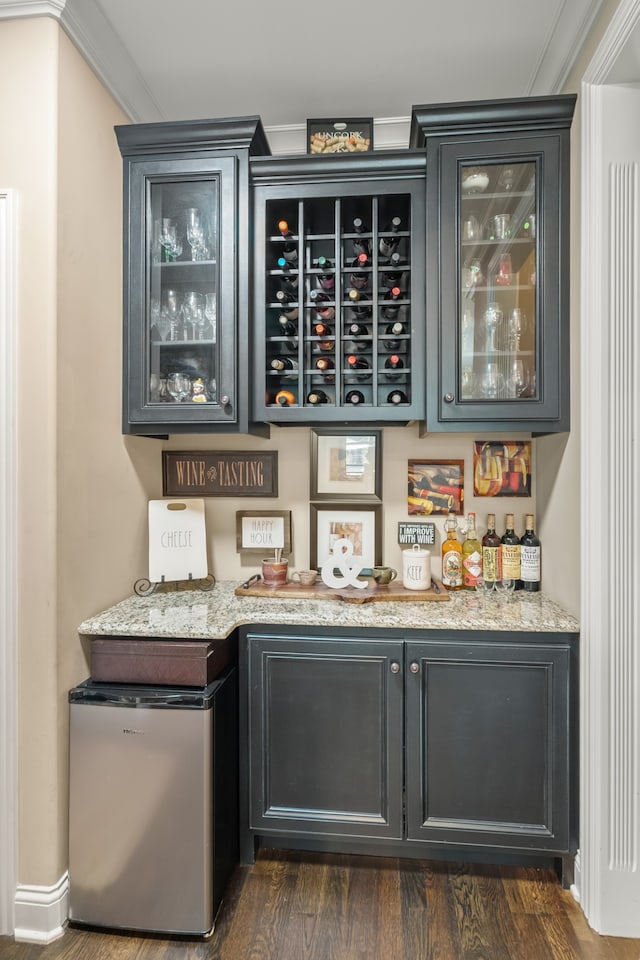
397, 396
530, 557
511, 553
354, 396
395, 329
451, 555
491, 552
471, 555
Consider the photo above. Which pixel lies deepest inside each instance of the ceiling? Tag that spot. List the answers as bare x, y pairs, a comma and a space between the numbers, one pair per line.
168, 60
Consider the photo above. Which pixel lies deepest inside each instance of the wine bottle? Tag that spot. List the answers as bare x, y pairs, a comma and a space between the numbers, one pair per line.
387, 244
284, 296
289, 249
289, 313
397, 396
491, 552
285, 398
320, 298
360, 336
391, 309
321, 330
451, 555
394, 330
289, 283
324, 263
287, 327
359, 281
392, 277
354, 396
530, 557
326, 281
361, 244
284, 365
317, 396
356, 363
326, 365
471, 555
361, 262
392, 363
511, 553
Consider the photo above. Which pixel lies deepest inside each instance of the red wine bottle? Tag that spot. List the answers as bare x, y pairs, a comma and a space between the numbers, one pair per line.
355, 397
317, 396
394, 329
397, 396
359, 365
289, 249
387, 244
393, 362
391, 309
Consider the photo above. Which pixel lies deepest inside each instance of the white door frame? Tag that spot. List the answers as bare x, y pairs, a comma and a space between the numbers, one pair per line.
608, 880
8, 560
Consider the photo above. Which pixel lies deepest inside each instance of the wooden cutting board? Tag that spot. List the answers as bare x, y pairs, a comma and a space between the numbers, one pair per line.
294, 591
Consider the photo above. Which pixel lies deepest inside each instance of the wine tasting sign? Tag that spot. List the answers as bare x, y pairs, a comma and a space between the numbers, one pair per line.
220, 473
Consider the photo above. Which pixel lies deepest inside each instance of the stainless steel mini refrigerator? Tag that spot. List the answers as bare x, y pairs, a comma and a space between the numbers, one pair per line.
152, 805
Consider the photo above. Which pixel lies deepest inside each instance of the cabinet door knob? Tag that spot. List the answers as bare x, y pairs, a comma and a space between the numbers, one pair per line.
395, 667
225, 401
449, 398
414, 667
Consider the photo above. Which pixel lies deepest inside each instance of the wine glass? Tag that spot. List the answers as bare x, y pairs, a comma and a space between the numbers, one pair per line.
210, 312
515, 326
195, 233
492, 318
193, 312
179, 386
168, 237
517, 378
505, 588
505, 271
172, 311
492, 382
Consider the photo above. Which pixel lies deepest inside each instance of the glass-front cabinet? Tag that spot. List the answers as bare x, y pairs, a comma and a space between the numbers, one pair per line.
186, 304
497, 263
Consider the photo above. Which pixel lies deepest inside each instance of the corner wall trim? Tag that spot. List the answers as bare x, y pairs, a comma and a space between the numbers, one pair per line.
41, 912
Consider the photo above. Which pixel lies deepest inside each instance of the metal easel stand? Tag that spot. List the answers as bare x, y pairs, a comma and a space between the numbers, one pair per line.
145, 587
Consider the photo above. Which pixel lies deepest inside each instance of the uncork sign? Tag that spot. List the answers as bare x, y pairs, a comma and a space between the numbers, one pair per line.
217, 473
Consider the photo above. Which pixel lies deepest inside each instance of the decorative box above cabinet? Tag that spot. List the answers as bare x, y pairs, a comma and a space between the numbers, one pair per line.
497, 253
338, 316
186, 243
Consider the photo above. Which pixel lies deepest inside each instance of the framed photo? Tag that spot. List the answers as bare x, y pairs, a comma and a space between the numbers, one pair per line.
260, 530
346, 465
435, 487
346, 135
502, 468
359, 524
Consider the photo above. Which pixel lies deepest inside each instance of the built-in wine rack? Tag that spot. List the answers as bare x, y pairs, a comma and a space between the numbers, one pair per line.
341, 307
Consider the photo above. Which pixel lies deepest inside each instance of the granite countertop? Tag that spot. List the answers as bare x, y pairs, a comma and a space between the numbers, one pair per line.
195, 615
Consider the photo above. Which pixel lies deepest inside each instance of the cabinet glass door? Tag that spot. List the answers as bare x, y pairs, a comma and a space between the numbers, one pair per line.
184, 283
498, 302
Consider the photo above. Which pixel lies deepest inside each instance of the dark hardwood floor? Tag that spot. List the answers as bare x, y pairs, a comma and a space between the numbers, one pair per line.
295, 906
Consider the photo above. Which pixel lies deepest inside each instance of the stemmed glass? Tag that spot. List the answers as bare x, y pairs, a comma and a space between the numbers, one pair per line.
193, 312
179, 386
515, 325
492, 318
168, 237
196, 234
172, 312
517, 378
492, 382
210, 312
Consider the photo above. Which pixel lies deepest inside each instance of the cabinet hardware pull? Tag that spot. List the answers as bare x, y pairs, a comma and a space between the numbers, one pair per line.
395, 667
449, 398
225, 401
415, 667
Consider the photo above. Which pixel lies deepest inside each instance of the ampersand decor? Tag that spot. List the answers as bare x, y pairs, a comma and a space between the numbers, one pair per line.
341, 559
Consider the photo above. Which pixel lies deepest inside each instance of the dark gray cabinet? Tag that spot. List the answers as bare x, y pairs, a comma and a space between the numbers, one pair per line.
416, 743
497, 263
338, 318
186, 287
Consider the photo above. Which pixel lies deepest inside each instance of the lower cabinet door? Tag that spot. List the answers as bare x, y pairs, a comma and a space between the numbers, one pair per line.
325, 736
488, 744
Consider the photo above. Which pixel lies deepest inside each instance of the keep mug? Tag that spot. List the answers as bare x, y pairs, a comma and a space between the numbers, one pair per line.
416, 568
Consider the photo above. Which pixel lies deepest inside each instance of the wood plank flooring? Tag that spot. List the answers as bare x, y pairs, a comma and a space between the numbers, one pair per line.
301, 906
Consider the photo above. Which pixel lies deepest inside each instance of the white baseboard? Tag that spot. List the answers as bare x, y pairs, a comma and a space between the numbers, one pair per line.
41, 912
575, 887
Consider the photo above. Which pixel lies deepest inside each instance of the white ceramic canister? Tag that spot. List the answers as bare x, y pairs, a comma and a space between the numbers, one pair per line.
416, 568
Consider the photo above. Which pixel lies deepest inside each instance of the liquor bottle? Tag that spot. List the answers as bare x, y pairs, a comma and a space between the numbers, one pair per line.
393, 362
317, 396
287, 327
285, 398
397, 396
451, 555
391, 309
354, 396
322, 304
511, 553
530, 557
395, 329
387, 244
471, 555
289, 250
355, 363
491, 552
284, 365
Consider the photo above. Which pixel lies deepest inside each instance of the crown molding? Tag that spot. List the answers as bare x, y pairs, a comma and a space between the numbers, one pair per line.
13, 9
573, 23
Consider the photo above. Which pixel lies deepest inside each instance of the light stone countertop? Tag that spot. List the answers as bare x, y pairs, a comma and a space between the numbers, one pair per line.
197, 615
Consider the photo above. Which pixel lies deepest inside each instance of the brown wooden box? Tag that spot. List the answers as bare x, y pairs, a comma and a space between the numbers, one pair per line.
179, 663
